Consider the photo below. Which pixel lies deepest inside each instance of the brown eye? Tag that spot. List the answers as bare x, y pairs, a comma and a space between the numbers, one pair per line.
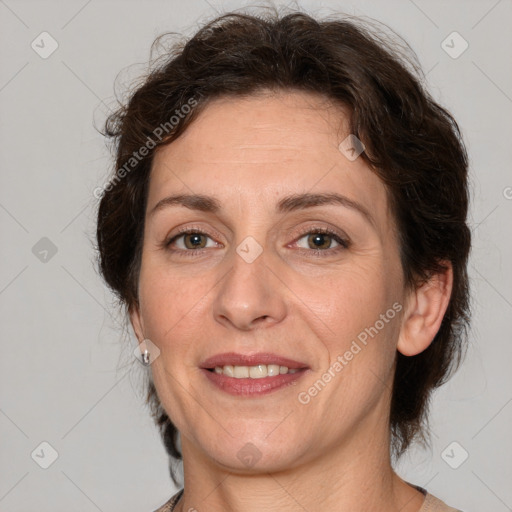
190, 241
194, 241
320, 241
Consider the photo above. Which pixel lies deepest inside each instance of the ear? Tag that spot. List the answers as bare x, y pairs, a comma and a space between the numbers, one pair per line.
136, 321
424, 312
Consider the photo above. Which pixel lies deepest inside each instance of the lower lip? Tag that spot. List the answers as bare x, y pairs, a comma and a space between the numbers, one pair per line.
252, 387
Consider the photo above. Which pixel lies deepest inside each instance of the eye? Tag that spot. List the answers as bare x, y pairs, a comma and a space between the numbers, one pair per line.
322, 240
317, 242
191, 240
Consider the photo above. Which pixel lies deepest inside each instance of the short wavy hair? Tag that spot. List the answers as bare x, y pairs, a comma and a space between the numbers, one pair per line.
411, 142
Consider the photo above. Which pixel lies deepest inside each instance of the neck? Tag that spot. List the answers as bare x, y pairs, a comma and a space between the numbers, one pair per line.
354, 476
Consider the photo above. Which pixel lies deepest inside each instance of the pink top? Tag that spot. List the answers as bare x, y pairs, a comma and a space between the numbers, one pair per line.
431, 504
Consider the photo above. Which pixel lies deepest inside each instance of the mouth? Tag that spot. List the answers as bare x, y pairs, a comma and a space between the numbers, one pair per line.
259, 371
252, 375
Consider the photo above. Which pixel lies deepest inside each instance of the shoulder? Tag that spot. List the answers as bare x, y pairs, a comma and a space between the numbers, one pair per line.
433, 504
168, 506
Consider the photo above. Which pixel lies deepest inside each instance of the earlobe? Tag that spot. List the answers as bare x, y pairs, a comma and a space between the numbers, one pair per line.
426, 307
136, 321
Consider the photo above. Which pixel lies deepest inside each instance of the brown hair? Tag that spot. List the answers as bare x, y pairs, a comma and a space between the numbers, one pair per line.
413, 144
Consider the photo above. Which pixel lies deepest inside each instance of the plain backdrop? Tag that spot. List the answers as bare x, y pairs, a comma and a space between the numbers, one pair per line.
67, 375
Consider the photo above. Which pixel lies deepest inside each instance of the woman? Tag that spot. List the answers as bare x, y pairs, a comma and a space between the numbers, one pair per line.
287, 229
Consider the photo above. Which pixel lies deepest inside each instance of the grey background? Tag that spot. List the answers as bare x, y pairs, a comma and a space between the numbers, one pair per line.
66, 372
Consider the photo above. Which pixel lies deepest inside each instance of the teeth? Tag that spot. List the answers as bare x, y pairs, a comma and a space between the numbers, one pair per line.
241, 372
254, 372
273, 370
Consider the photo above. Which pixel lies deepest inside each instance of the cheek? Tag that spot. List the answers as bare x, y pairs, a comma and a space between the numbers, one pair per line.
350, 299
173, 308
169, 300
355, 315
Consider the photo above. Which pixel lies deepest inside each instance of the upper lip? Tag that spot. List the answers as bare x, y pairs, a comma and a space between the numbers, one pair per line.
234, 359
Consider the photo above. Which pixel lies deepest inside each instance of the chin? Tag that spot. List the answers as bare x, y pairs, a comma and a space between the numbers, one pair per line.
253, 452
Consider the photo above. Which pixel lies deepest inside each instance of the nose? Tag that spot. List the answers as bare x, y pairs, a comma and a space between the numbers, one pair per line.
249, 296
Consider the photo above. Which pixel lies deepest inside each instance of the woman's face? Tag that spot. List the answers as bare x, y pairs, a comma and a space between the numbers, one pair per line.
256, 277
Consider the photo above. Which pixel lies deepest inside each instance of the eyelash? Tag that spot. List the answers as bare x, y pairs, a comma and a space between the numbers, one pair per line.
320, 253
344, 243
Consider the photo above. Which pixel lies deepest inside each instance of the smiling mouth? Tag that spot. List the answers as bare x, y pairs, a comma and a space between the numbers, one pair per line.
252, 375
259, 371
251, 381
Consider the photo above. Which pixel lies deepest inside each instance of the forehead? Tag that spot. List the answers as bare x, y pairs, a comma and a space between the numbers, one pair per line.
267, 126
262, 147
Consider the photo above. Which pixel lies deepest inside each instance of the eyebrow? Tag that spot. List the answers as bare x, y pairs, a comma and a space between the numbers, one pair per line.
290, 203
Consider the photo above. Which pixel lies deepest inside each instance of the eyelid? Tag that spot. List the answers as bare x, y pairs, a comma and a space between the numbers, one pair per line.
189, 230
341, 238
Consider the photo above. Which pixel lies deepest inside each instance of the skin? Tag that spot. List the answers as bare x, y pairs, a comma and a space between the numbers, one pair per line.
333, 452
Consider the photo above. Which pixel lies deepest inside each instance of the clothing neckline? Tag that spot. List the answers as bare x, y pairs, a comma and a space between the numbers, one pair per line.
430, 503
